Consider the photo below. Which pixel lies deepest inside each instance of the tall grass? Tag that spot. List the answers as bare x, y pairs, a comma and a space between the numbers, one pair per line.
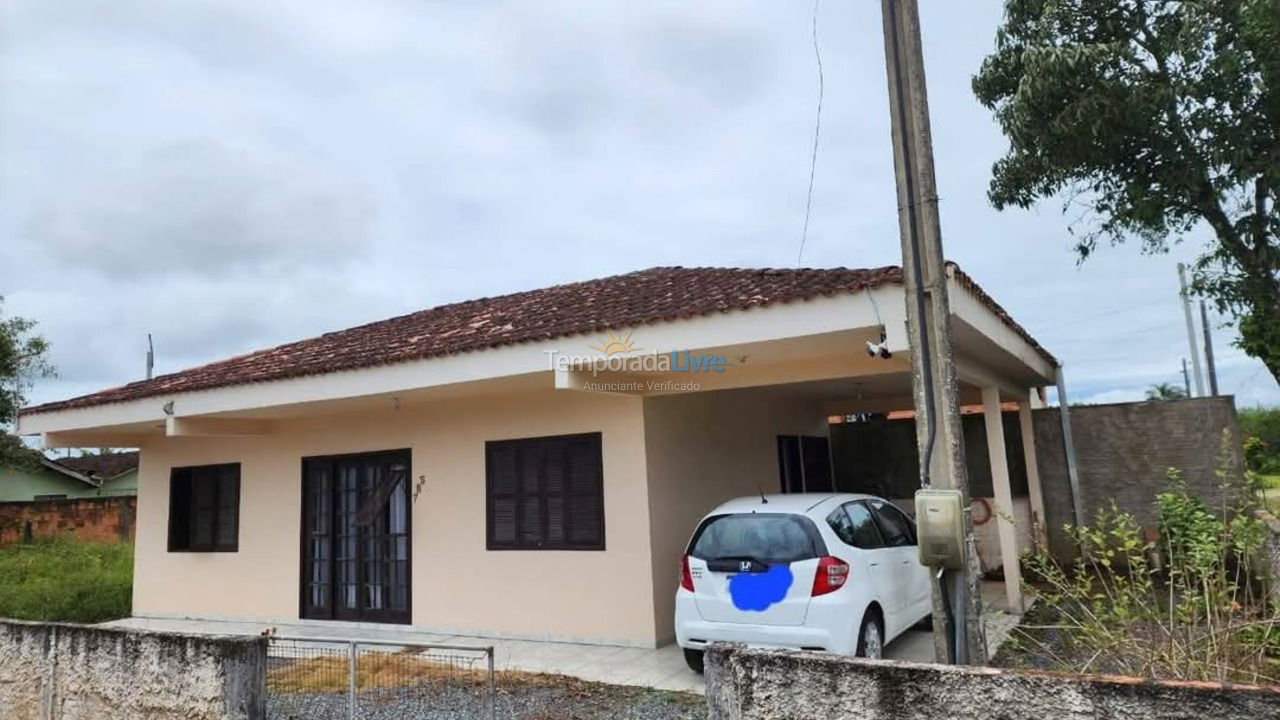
66, 580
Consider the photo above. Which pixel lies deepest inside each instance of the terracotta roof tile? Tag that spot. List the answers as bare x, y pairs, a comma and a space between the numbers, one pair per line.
103, 467
644, 297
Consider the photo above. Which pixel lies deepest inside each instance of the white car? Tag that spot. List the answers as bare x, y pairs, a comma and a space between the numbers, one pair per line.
835, 572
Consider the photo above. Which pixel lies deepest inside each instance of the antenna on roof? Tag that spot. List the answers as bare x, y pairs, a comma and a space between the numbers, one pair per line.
151, 356
763, 500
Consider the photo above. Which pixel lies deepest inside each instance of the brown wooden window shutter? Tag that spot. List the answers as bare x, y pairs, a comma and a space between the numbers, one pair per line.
545, 493
204, 508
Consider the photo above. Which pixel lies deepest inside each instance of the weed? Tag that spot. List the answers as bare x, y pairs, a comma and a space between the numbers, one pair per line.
66, 580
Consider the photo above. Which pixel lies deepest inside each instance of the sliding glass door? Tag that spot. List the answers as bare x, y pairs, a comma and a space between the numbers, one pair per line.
356, 538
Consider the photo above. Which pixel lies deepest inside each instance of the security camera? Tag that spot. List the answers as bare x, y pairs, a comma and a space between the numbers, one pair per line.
880, 348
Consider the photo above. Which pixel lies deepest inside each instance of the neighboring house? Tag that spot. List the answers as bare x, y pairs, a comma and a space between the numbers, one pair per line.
116, 472
71, 478
476, 468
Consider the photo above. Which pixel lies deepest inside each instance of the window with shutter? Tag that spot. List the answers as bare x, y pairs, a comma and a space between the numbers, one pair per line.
204, 508
545, 493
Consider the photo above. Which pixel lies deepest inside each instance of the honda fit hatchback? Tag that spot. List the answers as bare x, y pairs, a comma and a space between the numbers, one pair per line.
836, 572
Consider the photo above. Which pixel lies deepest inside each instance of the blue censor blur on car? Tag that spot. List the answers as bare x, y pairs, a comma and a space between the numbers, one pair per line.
752, 591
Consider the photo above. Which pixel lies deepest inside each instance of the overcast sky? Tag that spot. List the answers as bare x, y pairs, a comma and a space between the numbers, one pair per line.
231, 175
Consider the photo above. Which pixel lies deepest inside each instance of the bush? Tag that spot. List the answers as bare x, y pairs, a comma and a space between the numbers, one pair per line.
66, 580
1184, 605
1261, 430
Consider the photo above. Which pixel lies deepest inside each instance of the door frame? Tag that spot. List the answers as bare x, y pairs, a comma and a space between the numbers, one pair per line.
385, 616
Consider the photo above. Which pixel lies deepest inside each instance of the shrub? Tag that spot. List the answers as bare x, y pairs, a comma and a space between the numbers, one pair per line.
1185, 605
1261, 430
66, 580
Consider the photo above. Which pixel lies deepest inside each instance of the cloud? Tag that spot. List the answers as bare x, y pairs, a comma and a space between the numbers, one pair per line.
205, 208
230, 175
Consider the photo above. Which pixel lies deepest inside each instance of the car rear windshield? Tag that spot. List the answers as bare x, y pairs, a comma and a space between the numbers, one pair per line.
765, 537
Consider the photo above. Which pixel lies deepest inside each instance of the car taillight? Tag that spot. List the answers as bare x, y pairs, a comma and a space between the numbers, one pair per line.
831, 576
686, 577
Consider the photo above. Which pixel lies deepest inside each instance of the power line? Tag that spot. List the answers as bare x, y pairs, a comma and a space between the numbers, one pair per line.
1093, 318
1249, 383
817, 131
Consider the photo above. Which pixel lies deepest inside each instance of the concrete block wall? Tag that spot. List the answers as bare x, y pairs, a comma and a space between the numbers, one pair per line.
74, 672
776, 685
1123, 453
101, 519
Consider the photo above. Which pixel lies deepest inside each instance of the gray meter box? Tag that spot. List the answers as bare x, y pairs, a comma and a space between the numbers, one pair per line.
940, 523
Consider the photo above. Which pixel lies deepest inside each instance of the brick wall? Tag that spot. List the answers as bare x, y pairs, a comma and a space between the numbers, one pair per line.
53, 671
1123, 453
104, 519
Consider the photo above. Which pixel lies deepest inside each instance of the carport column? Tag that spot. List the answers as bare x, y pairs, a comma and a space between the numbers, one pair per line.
1004, 498
1038, 532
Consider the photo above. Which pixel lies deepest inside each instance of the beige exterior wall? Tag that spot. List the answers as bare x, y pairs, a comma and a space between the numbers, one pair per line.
703, 449
457, 585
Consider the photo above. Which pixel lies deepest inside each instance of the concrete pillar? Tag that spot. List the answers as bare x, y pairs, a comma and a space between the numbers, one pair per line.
1038, 532
1004, 498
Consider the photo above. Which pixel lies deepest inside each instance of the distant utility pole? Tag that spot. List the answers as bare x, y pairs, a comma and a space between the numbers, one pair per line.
1186, 379
1191, 330
957, 599
1208, 351
151, 357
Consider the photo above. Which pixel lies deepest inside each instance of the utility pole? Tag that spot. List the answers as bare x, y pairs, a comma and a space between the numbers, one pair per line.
151, 357
957, 601
1186, 379
1208, 351
1191, 330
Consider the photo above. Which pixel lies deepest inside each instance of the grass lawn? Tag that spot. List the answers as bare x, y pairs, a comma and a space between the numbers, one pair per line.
1270, 494
66, 580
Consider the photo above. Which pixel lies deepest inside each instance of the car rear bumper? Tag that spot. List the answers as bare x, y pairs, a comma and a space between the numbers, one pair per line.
694, 633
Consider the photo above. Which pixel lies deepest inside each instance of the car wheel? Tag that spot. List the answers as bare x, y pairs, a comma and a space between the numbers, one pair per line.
693, 658
871, 638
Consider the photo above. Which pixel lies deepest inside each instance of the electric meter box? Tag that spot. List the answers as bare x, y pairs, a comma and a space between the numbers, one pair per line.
940, 525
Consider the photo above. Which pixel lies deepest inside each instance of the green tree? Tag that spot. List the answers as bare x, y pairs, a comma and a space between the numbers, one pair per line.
24, 356
1154, 116
1165, 391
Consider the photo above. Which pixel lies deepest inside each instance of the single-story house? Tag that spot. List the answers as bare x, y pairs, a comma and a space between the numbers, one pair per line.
71, 478
525, 466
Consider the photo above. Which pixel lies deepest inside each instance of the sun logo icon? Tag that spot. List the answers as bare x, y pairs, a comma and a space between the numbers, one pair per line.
611, 344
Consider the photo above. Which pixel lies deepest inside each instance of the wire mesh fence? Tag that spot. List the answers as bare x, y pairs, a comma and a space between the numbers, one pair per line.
326, 679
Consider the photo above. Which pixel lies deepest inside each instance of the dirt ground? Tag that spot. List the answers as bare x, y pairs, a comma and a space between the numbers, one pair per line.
312, 690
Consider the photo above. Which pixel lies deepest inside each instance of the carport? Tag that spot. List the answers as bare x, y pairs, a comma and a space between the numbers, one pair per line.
805, 411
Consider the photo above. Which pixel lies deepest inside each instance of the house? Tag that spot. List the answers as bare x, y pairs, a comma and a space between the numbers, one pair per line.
525, 466
71, 478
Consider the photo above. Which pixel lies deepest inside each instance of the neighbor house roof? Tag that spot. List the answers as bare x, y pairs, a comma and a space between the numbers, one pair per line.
102, 467
61, 469
648, 296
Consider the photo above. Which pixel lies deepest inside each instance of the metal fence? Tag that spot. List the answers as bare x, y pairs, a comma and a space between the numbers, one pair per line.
334, 679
